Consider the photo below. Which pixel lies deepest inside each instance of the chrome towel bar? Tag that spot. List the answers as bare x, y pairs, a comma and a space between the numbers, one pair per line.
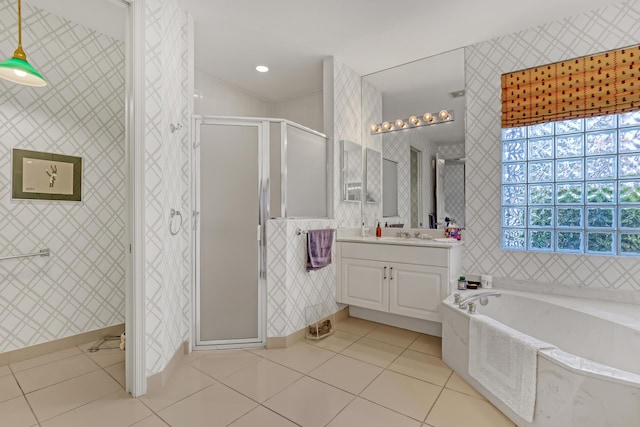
41, 252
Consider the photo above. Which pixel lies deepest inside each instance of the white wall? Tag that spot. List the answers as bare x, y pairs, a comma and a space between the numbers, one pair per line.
81, 286
215, 97
608, 28
305, 110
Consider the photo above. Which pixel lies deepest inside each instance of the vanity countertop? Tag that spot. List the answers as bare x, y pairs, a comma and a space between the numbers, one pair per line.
403, 241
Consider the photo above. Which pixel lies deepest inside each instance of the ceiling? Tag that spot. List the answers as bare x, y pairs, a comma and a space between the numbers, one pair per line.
293, 36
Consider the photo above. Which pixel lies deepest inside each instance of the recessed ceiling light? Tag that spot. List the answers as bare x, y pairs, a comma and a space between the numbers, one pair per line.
262, 68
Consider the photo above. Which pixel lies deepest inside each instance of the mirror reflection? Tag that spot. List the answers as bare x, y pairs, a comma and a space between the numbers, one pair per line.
427, 85
450, 190
351, 170
389, 188
373, 174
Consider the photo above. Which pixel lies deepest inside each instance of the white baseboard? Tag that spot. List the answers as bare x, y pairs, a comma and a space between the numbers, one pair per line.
418, 325
37, 350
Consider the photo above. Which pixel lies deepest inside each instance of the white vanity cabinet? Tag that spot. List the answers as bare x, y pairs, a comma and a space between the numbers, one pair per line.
405, 280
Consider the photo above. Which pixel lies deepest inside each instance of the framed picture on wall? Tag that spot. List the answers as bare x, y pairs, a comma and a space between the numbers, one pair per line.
46, 176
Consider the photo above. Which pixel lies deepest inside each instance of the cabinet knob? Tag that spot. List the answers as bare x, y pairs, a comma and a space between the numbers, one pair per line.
391, 273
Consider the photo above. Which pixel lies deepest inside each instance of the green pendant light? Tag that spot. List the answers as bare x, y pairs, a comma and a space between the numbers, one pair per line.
17, 69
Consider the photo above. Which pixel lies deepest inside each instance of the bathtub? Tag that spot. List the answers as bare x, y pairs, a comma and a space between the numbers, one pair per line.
592, 378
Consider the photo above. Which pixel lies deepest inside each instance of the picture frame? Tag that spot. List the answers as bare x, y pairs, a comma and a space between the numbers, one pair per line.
38, 175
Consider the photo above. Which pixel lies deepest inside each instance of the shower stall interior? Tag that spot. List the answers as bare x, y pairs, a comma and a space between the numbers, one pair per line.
245, 171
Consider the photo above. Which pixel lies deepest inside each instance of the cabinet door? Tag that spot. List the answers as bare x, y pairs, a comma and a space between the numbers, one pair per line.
417, 290
365, 283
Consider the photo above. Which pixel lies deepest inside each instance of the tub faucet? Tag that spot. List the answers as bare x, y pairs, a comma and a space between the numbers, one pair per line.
483, 297
404, 234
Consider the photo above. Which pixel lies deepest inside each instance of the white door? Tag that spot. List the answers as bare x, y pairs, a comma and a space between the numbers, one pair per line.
365, 283
230, 207
417, 290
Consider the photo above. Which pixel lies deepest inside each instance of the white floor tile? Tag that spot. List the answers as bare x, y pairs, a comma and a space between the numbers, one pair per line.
116, 409
309, 402
216, 405
361, 412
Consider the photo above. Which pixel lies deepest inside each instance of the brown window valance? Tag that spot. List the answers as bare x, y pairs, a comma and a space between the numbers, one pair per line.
607, 83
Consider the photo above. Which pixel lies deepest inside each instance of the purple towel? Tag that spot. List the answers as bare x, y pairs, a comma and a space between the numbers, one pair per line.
396, 225
319, 244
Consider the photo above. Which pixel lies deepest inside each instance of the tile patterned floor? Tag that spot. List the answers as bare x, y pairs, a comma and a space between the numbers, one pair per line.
365, 374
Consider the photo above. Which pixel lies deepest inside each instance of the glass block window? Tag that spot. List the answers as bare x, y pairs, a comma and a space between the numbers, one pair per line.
573, 186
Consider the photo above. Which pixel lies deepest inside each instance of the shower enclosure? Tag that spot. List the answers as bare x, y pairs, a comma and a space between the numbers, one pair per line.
246, 170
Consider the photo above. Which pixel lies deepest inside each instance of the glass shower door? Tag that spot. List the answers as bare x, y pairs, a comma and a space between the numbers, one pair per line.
228, 233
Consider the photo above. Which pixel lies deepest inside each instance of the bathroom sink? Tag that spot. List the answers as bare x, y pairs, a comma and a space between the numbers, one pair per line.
397, 239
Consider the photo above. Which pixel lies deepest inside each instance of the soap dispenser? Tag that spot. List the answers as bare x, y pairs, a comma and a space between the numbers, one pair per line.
378, 231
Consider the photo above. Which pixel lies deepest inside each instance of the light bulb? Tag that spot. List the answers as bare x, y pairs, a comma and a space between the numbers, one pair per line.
444, 115
374, 128
20, 73
414, 120
262, 68
387, 125
400, 124
428, 117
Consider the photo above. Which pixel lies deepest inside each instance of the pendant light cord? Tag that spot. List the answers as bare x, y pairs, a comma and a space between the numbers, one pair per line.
19, 53
19, 24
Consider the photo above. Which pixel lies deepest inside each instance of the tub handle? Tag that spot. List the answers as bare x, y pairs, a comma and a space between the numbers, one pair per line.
456, 298
472, 308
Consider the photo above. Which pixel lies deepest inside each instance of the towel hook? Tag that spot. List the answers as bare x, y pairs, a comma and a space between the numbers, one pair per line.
175, 127
173, 213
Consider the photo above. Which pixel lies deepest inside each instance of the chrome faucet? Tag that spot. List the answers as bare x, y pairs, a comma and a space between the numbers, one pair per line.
404, 234
483, 297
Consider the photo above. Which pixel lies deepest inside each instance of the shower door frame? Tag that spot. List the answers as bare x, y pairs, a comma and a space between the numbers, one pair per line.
262, 126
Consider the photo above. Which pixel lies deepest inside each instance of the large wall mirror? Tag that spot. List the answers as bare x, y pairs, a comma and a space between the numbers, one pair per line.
426, 85
351, 170
373, 176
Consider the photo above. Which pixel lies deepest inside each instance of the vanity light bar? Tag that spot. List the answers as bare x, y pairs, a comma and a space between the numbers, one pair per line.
427, 119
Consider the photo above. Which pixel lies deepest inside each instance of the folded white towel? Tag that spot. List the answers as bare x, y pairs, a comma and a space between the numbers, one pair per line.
505, 362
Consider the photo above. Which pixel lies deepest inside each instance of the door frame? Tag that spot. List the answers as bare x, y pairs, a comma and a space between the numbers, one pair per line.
135, 355
420, 215
262, 126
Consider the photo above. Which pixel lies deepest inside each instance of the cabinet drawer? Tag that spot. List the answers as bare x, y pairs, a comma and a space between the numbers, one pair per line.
438, 257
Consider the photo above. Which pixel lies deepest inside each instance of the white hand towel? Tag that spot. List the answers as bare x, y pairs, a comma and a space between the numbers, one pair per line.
505, 362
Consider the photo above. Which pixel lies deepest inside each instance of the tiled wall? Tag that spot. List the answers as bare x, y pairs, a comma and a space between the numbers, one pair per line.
345, 96
290, 288
81, 286
372, 113
608, 28
166, 180
454, 193
450, 151
454, 175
